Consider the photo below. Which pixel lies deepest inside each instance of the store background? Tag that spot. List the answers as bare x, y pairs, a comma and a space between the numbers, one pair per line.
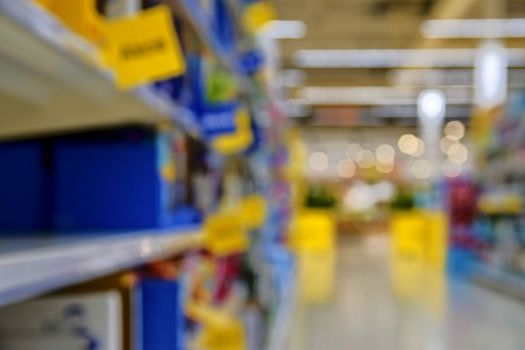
249, 174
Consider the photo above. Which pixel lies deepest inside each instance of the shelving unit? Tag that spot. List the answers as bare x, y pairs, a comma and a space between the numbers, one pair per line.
54, 83
499, 280
51, 81
33, 265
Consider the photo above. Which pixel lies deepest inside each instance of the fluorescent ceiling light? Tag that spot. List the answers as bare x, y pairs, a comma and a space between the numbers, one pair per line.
374, 95
408, 111
491, 75
416, 58
473, 28
446, 77
286, 29
432, 104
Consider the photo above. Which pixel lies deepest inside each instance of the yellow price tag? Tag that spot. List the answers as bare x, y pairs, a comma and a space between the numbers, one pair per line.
253, 210
258, 14
225, 234
144, 48
238, 141
81, 16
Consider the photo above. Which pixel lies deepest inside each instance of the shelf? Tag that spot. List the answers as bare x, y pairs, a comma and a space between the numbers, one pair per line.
51, 81
499, 280
227, 58
34, 265
198, 19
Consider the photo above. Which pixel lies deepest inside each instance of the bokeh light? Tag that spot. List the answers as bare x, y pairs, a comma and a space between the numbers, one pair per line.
346, 168
366, 159
318, 161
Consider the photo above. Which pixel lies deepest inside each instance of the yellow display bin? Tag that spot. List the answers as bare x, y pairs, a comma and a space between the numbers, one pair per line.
420, 236
313, 241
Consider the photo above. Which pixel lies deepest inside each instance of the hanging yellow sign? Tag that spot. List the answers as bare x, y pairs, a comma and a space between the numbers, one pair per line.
220, 330
258, 14
80, 16
139, 49
253, 209
240, 140
225, 234
144, 48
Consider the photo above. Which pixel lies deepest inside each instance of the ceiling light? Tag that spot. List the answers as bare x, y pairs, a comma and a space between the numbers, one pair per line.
384, 168
318, 161
286, 29
491, 75
411, 145
474, 28
346, 168
431, 105
445, 144
458, 153
365, 159
455, 130
374, 95
390, 58
385, 154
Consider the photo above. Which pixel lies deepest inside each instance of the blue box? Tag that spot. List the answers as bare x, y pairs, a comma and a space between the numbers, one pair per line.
24, 187
117, 180
160, 315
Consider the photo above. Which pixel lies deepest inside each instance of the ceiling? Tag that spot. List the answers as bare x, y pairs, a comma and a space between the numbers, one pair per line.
378, 24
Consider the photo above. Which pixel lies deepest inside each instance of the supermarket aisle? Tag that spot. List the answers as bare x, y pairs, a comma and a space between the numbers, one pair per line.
408, 307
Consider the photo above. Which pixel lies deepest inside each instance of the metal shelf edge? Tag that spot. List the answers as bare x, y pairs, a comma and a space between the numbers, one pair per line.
34, 272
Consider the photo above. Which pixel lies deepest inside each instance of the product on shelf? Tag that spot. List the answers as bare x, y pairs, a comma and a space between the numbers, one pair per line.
123, 179
160, 314
88, 321
24, 186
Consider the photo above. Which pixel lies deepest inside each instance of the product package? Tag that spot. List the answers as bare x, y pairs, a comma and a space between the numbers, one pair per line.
84, 322
160, 320
118, 180
24, 187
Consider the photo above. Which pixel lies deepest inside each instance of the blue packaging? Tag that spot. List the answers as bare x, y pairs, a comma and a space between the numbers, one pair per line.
160, 315
118, 180
24, 187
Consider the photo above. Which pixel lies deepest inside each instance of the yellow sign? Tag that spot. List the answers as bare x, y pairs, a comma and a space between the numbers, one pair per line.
240, 140
81, 16
144, 48
225, 234
220, 330
258, 14
253, 210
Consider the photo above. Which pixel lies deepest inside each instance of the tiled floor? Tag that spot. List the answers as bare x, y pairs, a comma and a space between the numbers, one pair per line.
378, 306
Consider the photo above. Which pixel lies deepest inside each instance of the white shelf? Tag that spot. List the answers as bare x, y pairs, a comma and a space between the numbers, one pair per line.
50, 81
500, 280
31, 266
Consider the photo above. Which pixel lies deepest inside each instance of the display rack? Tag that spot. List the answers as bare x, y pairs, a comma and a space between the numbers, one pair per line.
33, 265
498, 279
52, 81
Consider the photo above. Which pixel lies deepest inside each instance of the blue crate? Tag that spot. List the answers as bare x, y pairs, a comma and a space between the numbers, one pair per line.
114, 181
160, 320
24, 187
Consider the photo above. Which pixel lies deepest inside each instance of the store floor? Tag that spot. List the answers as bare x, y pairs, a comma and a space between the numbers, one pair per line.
382, 305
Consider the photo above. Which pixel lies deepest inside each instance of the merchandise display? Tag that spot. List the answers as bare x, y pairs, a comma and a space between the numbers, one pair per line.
173, 171
262, 174
498, 245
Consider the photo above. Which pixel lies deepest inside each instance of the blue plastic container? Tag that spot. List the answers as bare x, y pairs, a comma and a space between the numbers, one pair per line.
160, 315
24, 187
115, 181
